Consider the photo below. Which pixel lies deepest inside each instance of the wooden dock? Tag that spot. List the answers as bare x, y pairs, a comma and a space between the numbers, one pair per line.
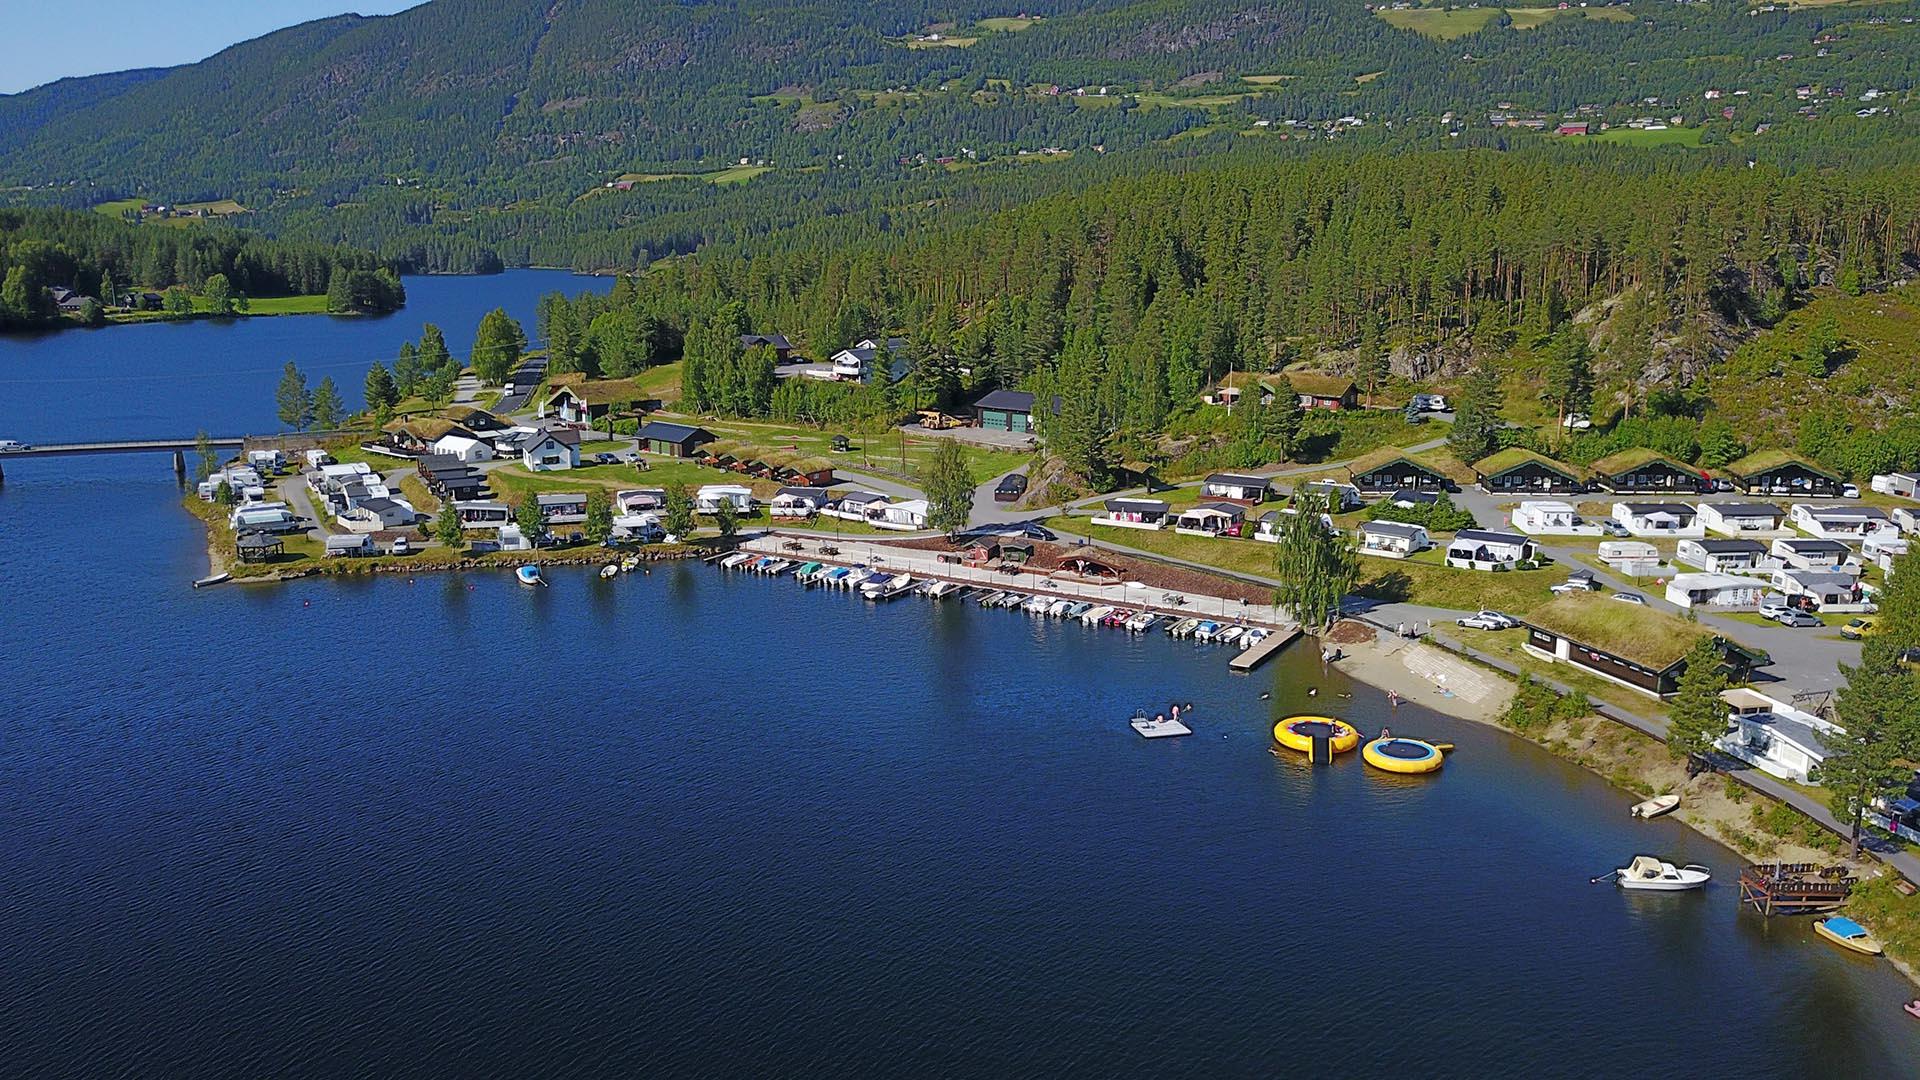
1248, 659
1794, 888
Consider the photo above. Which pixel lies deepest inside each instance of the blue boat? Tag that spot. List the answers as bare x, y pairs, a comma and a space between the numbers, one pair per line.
529, 575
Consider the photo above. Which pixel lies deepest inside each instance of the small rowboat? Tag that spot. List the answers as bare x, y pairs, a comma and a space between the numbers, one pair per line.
1912, 1007
1847, 934
610, 570
1655, 806
529, 575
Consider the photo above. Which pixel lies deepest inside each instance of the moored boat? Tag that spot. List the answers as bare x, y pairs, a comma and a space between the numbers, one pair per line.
610, 570
1142, 621
1655, 806
1206, 630
1096, 615
1229, 635
529, 575
1650, 874
1847, 934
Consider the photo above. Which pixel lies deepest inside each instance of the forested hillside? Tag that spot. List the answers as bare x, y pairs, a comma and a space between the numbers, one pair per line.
466, 134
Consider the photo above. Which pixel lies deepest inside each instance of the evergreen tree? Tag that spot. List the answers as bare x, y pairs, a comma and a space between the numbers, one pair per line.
1315, 567
726, 518
109, 289
207, 459
599, 524
177, 301
1718, 444
676, 515
447, 528
381, 394
325, 410
497, 347
292, 401
1569, 374
949, 488
1878, 710
407, 372
1697, 717
224, 495
1476, 425
340, 290
433, 351
1078, 434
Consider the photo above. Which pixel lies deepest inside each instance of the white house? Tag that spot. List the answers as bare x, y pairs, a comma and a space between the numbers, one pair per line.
1715, 591
1211, 519
1666, 519
1904, 484
1738, 519
1485, 549
1722, 556
1551, 517
562, 507
554, 448
1773, 736
1800, 554
852, 505
707, 500
483, 514
797, 502
904, 516
1392, 540
1133, 514
467, 449
1840, 522
372, 515
1339, 496
1235, 486
1825, 590
855, 364
1268, 529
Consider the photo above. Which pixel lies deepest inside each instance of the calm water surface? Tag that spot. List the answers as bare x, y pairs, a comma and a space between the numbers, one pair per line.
687, 823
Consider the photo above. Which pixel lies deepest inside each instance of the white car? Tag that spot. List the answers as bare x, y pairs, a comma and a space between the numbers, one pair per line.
1850, 491
1574, 585
1488, 620
11, 446
1629, 598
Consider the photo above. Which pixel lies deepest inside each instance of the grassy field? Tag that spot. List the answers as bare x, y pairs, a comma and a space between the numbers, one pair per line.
1153, 99
734, 174
943, 43
1443, 25
1266, 80
118, 206
1006, 24
883, 452
1642, 137
268, 305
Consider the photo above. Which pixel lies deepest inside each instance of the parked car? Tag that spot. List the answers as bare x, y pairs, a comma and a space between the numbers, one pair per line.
1850, 491
1629, 598
1796, 618
1039, 532
10, 446
1772, 606
1575, 585
1488, 620
484, 547
400, 546
1857, 629
632, 457
1436, 403
1010, 488
1722, 484
1613, 528
606, 459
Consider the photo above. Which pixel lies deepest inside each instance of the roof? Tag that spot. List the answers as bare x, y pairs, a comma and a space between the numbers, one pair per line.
377, 505
1807, 545
425, 428
257, 540
1635, 457
1227, 509
1641, 509
1503, 461
1009, 400
1815, 578
602, 391
1393, 528
860, 498
1491, 536
1319, 383
1689, 582
1238, 480
819, 494
348, 540
1646, 636
1740, 509
1137, 505
673, 433
559, 498
563, 436
1728, 547
459, 440
1859, 513
778, 341
1437, 462
1766, 460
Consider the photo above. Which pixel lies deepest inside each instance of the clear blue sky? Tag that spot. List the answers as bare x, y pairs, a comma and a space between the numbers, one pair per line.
46, 41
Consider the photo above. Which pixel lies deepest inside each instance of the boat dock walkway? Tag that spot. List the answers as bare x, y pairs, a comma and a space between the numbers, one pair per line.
842, 551
1252, 658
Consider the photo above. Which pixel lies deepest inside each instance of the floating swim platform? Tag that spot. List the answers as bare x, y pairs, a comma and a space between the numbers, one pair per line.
1162, 728
1298, 733
1403, 756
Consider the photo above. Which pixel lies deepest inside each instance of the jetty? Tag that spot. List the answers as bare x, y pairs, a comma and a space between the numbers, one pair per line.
1280, 638
1794, 888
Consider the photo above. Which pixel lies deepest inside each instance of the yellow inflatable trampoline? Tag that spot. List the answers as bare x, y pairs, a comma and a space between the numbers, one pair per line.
1298, 732
1403, 755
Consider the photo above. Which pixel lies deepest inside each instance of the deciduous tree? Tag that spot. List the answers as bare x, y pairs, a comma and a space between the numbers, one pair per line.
1316, 568
949, 488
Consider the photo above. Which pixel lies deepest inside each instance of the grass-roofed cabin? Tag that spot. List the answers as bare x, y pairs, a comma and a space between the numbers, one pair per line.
1782, 474
417, 434
1640, 471
585, 401
1318, 390
1389, 470
1629, 644
1519, 471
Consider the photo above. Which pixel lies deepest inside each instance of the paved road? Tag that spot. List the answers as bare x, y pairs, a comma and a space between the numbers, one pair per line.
524, 380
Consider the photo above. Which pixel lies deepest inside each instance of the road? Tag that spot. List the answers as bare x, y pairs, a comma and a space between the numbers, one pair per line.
524, 381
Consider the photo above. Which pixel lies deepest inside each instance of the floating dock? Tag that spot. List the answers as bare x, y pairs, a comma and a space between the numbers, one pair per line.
1252, 658
1162, 728
1794, 888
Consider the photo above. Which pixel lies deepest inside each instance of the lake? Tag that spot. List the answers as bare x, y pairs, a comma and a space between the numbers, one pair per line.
693, 822
167, 380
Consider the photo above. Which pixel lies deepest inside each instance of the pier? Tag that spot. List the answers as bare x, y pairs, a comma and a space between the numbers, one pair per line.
1249, 659
1794, 888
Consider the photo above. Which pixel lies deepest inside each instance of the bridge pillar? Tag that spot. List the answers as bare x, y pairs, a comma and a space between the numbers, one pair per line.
180, 464
3, 475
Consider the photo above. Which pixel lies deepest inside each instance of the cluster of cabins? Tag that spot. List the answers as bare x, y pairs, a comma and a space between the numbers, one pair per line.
477, 437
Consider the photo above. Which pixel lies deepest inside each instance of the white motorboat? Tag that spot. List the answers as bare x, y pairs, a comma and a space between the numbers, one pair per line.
1252, 637
1655, 806
1094, 616
610, 570
1648, 873
1142, 622
1230, 634
1036, 604
1058, 608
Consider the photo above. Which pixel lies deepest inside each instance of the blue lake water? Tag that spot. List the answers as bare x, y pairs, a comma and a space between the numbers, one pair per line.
693, 823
